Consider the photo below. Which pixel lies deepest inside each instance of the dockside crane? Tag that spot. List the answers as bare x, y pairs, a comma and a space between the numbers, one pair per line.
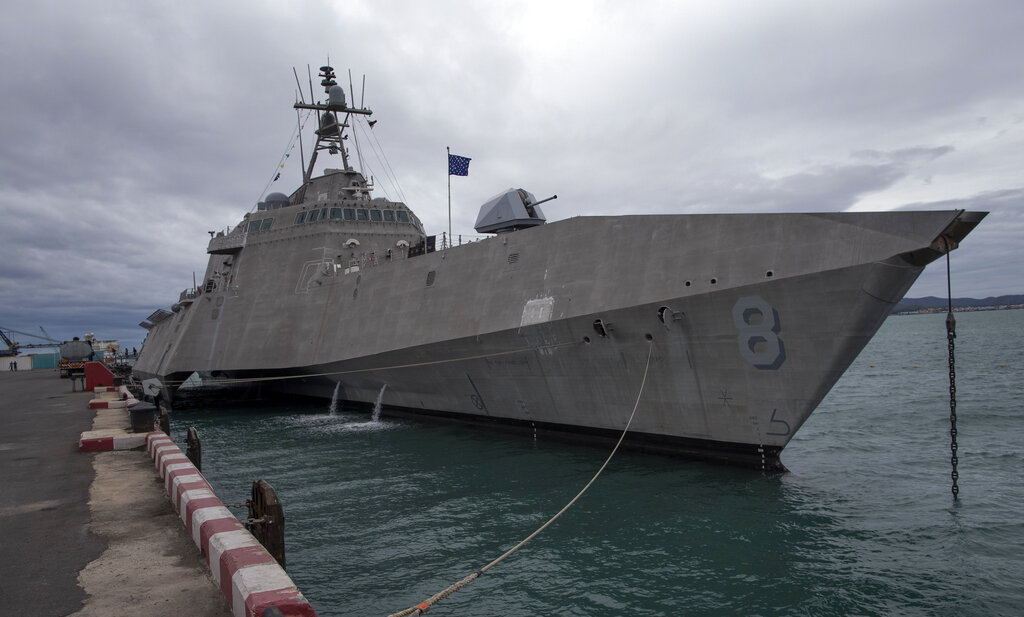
14, 346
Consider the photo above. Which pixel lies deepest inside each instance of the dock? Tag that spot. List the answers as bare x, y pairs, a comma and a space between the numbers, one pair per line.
94, 532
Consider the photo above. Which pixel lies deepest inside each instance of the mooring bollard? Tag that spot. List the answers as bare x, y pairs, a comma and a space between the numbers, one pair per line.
142, 417
165, 422
266, 519
194, 449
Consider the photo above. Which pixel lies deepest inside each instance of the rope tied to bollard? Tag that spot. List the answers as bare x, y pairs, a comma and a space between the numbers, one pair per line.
424, 606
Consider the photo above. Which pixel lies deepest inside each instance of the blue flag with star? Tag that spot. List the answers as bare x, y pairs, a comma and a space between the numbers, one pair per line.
458, 165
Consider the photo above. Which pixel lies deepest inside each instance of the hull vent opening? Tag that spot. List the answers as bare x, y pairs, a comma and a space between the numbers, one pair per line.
602, 328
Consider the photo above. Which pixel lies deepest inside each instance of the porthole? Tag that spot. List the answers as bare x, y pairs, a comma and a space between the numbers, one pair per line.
649, 336
714, 281
687, 284
769, 274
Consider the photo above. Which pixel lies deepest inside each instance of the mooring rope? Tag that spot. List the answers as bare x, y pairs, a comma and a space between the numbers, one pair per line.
424, 606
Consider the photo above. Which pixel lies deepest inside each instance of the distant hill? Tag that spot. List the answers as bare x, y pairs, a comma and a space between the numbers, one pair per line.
931, 302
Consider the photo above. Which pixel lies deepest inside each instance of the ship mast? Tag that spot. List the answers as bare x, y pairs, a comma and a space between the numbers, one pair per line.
331, 133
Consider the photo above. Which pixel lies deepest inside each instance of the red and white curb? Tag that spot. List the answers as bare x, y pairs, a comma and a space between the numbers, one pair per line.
247, 575
111, 397
110, 439
104, 440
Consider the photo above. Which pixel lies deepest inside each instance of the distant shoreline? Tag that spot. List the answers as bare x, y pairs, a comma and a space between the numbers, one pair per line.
959, 309
933, 304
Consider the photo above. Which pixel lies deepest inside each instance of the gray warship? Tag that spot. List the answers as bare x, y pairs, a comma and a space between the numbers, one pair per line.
740, 322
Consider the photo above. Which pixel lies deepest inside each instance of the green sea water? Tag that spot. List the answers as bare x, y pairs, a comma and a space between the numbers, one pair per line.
381, 515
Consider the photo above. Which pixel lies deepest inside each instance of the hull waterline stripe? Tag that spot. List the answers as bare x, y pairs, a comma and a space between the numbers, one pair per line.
378, 368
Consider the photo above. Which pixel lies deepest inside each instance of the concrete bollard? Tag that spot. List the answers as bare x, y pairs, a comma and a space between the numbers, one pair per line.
143, 415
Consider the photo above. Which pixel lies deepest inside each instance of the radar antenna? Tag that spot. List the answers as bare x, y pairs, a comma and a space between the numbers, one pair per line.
331, 134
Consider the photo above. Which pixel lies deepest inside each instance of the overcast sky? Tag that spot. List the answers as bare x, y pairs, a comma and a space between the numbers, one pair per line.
130, 129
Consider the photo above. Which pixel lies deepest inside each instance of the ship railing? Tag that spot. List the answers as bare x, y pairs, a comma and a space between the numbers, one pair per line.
459, 239
226, 242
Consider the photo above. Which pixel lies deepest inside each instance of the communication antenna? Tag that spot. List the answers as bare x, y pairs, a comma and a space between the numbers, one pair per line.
298, 120
355, 135
309, 72
302, 97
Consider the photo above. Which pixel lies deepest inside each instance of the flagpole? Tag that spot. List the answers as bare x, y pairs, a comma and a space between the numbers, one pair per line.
449, 149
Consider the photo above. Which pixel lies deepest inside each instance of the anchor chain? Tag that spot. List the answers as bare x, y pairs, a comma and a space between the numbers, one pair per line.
951, 335
950, 338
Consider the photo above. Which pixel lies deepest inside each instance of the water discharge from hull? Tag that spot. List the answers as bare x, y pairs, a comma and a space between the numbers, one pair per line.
377, 404
333, 409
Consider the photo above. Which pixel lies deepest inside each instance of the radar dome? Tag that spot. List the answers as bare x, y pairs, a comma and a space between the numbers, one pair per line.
336, 97
276, 200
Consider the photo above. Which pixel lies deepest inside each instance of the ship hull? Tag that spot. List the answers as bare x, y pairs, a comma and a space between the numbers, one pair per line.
725, 331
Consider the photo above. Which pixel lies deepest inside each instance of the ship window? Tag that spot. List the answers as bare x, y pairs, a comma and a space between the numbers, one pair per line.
403, 216
335, 214
323, 214
314, 215
350, 214
300, 218
375, 216
254, 226
389, 216
361, 215
266, 224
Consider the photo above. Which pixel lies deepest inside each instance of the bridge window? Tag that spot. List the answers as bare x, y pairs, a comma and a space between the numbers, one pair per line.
259, 225
314, 215
389, 216
362, 215
335, 214
350, 214
300, 218
403, 216
375, 216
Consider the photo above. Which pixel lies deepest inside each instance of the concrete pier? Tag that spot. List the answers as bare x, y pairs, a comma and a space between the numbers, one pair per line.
87, 533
